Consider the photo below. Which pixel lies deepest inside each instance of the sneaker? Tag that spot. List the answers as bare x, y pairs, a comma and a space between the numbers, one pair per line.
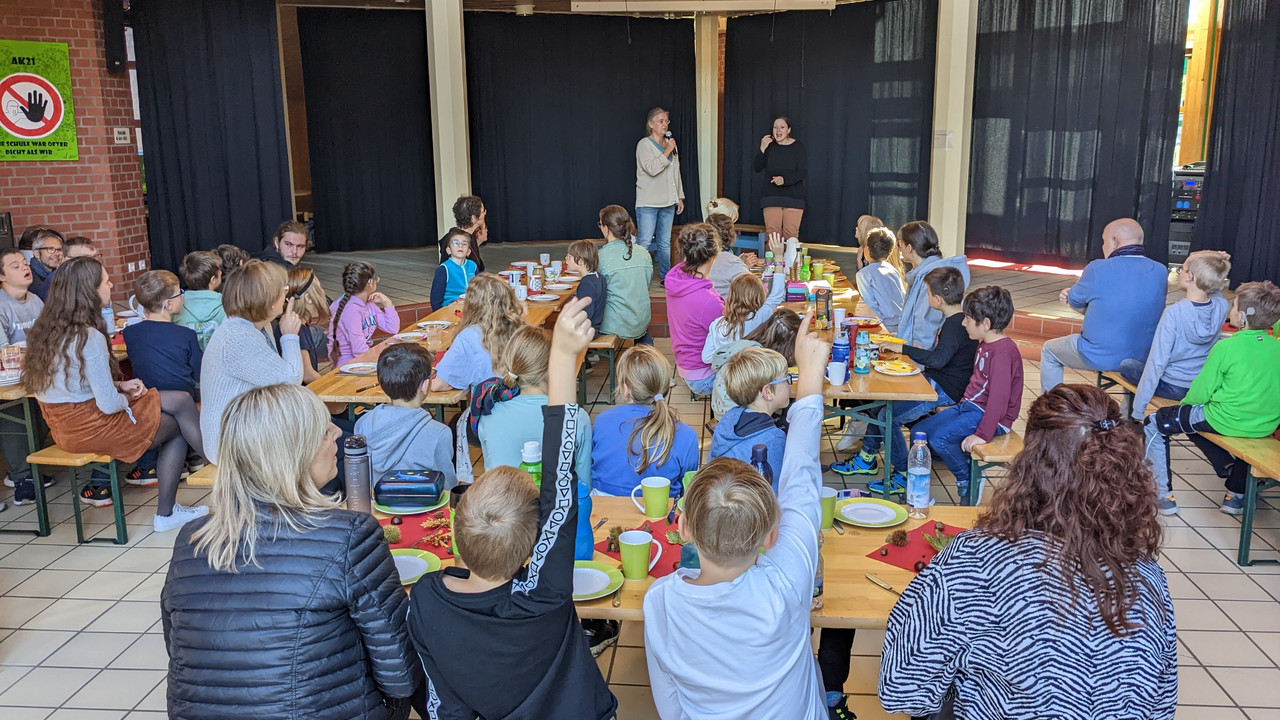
840, 711
142, 477
24, 492
860, 464
1167, 505
3, 506
9, 481
97, 494
179, 517
1233, 504
195, 463
897, 484
853, 432
601, 634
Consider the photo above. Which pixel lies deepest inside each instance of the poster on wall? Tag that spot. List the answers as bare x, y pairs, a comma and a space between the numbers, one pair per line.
37, 119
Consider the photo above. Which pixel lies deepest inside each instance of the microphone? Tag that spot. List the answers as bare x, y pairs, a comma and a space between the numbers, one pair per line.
667, 135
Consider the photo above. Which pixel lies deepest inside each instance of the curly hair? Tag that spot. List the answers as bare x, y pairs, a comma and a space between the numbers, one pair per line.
1081, 480
492, 304
746, 296
699, 243
72, 311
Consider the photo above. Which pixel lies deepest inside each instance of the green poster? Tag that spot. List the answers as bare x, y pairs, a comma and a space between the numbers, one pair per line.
37, 120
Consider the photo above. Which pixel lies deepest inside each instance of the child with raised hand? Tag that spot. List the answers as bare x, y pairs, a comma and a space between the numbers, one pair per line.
201, 272
696, 620
583, 258
499, 636
455, 272
777, 333
365, 310
491, 316
1186, 333
1236, 394
402, 435
879, 283
746, 309
642, 436
759, 385
993, 398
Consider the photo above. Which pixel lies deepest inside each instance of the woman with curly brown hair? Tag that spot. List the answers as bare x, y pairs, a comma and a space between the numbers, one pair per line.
1053, 605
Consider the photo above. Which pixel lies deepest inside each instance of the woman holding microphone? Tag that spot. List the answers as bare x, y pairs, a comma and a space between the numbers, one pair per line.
659, 189
782, 160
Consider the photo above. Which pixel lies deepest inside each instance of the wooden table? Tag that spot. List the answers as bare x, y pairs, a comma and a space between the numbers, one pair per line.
15, 406
851, 600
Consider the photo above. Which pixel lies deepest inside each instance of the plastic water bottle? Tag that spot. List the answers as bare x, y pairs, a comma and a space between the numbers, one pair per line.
109, 317
584, 544
840, 348
818, 600
531, 461
919, 465
862, 353
760, 461
358, 471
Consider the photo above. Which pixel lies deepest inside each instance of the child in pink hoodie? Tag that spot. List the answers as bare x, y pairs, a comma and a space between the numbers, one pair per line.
360, 311
693, 304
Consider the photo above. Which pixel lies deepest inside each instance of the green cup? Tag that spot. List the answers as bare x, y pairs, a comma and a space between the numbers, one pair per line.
657, 493
828, 501
830, 277
634, 546
817, 269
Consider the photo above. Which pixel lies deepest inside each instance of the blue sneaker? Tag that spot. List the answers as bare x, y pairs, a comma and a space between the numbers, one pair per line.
1167, 505
860, 464
1233, 504
897, 484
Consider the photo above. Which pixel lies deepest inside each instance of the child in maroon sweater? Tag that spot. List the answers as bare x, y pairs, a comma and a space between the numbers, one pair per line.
994, 396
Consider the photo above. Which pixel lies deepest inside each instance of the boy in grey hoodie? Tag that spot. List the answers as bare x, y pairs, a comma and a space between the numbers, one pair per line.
401, 434
1187, 332
757, 381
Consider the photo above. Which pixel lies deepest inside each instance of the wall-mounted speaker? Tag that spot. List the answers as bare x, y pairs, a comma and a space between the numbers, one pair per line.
113, 35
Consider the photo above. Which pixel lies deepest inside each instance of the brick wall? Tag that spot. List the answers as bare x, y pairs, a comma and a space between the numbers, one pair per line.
99, 195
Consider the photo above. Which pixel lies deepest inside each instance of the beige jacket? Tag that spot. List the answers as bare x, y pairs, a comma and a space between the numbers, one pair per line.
658, 182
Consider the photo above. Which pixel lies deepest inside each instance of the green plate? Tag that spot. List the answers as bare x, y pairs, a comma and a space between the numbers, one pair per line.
413, 563
444, 500
870, 512
594, 579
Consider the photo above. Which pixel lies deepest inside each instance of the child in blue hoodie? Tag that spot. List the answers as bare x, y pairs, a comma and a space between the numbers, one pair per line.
401, 434
201, 272
454, 274
1186, 333
757, 382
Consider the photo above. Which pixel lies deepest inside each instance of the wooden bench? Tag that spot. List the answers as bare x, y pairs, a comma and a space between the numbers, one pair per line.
1113, 379
55, 456
600, 346
1261, 455
203, 477
999, 451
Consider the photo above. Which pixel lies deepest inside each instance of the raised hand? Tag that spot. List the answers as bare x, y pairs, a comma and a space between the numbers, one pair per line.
776, 244
569, 341
812, 353
765, 141
36, 107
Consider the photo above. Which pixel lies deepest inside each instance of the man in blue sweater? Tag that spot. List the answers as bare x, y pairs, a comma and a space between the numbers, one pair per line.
1121, 296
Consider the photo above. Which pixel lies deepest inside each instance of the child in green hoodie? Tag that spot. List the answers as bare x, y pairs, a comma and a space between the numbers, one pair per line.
1237, 394
202, 311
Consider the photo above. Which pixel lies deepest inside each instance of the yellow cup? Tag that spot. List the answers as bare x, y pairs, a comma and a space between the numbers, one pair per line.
657, 493
817, 269
828, 501
633, 546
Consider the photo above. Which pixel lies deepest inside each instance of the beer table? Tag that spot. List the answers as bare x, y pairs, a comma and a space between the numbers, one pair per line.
15, 406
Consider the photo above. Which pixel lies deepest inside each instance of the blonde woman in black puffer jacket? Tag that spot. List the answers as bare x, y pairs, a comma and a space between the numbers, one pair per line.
280, 604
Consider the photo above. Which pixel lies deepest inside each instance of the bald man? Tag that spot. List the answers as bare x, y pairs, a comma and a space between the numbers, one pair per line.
1121, 296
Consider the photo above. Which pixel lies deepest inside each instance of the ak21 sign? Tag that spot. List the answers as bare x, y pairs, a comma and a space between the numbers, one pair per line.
37, 119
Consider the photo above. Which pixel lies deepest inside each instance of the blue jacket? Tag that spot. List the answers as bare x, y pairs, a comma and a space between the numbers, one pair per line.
1122, 298
613, 469
920, 323
450, 281
740, 430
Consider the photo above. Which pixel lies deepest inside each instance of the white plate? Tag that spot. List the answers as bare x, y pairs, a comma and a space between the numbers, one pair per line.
557, 286
410, 337
867, 514
359, 368
409, 566
544, 297
10, 377
588, 581
569, 278
434, 323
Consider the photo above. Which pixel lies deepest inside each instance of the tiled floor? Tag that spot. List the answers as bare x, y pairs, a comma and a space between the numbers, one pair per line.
80, 633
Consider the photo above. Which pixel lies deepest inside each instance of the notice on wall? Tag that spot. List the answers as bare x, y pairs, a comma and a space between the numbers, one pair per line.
37, 119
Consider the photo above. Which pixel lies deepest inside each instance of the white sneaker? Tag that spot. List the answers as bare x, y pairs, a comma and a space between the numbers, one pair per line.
853, 432
180, 516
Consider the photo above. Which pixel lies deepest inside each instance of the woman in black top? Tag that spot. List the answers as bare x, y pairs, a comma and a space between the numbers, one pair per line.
468, 214
782, 160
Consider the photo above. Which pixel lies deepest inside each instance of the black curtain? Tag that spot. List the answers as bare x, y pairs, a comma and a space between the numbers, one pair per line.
212, 124
1075, 113
557, 104
1240, 205
368, 128
857, 85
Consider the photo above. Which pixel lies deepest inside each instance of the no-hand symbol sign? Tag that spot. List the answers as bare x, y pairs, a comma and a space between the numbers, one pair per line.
31, 106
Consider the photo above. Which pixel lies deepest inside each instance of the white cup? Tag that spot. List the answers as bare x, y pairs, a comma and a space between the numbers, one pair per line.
836, 372
544, 259
515, 276
557, 266
838, 314
522, 293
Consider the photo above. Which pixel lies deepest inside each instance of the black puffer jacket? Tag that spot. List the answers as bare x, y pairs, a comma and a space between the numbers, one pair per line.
316, 630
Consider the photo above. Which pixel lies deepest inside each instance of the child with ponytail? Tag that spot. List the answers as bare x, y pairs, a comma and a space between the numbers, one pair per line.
642, 436
627, 270
746, 309
359, 311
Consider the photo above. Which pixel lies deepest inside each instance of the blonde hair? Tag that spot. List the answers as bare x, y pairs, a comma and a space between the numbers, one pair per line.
646, 375
746, 373
729, 511
491, 304
273, 469
251, 292
1259, 304
723, 206
746, 296
496, 523
154, 288
524, 360
1209, 269
312, 306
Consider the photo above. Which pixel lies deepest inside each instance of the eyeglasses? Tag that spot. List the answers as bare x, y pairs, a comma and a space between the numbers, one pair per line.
49, 249
784, 379
180, 294
459, 243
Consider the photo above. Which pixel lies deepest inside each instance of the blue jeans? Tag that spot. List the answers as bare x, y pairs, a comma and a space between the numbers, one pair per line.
1131, 371
703, 386
904, 411
651, 222
947, 429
